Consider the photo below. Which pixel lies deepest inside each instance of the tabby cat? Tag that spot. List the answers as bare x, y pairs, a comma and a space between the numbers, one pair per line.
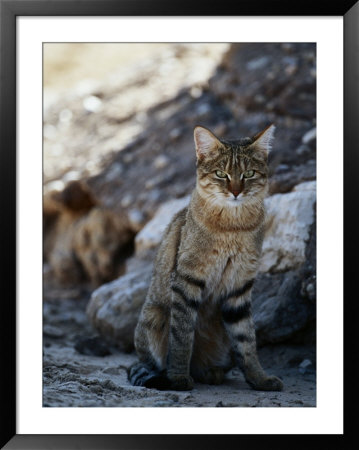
196, 321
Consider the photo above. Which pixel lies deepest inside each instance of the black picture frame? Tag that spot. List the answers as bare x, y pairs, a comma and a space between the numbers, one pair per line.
9, 10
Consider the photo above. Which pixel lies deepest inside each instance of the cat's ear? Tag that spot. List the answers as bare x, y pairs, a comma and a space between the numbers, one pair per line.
263, 141
206, 143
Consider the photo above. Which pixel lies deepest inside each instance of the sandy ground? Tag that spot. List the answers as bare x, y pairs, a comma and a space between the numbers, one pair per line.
72, 379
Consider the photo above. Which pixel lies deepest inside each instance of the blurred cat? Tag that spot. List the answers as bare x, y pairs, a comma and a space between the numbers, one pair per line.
84, 241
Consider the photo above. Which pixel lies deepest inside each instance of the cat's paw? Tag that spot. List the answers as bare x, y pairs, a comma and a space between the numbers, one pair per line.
270, 383
181, 382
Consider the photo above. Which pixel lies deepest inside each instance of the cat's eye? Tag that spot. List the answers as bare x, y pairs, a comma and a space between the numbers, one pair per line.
248, 174
221, 174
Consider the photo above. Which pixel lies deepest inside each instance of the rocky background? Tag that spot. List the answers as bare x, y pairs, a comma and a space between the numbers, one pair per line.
119, 161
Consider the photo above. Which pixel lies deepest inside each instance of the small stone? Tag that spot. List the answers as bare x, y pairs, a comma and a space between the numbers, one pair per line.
163, 403
173, 397
53, 332
303, 150
304, 365
196, 92
91, 346
161, 162
259, 99
175, 134
203, 109
56, 185
71, 176
126, 200
291, 69
136, 219
282, 168
310, 288
309, 136
92, 104
220, 129
257, 63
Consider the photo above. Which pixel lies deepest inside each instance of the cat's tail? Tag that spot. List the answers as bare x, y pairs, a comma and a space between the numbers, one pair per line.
139, 374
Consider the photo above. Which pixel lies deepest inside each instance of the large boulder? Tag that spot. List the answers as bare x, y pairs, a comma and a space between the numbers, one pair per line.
282, 309
114, 308
289, 218
151, 235
284, 292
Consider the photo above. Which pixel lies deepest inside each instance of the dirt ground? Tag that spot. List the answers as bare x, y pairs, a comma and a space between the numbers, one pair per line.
74, 379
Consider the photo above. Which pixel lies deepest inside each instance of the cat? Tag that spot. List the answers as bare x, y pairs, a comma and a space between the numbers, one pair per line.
83, 240
196, 321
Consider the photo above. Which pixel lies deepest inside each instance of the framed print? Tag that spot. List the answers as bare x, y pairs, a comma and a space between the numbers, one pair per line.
218, 139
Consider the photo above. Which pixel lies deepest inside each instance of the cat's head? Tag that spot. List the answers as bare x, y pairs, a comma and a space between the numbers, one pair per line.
232, 172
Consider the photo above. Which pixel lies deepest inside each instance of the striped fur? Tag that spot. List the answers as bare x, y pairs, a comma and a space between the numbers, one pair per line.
196, 321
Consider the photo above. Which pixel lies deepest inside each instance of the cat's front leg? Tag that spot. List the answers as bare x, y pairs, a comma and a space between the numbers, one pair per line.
237, 318
186, 299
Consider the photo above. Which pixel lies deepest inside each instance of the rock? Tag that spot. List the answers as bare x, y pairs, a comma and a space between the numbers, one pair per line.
304, 366
114, 308
309, 136
283, 296
161, 162
175, 134
285, 82
151, 235
289, 217
308, 288
285, 180
136, 219
280, 313
284, 307
53, 332
309, 186
91, 346
92, 104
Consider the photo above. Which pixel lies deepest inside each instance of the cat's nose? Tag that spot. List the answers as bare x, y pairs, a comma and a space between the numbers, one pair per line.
236, 193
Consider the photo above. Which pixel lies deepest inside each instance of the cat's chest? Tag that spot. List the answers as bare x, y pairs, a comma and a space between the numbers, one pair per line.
234, 246
234, 261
